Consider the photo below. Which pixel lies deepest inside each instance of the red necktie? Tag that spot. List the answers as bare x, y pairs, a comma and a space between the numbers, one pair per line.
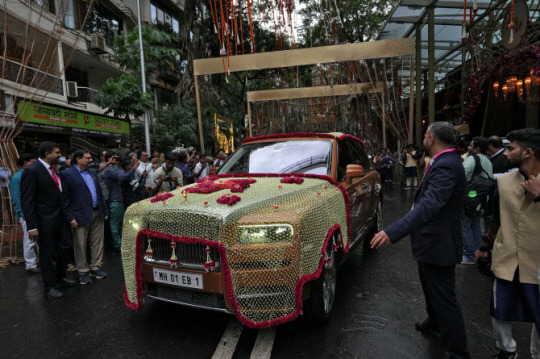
55, 178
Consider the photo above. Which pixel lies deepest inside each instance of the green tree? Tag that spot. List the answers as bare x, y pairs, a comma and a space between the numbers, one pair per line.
355, 20
123, 96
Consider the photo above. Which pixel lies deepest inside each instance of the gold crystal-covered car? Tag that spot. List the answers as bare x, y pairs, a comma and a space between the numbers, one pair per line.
262, 238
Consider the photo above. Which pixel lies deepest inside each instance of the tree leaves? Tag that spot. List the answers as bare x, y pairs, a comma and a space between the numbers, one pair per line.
123, 97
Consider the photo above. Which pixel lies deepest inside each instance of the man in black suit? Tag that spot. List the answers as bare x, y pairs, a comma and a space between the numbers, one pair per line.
434, 224
495, 152
86, 212
41, 201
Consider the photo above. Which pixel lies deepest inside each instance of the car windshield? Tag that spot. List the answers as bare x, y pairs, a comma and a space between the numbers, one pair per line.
294, 156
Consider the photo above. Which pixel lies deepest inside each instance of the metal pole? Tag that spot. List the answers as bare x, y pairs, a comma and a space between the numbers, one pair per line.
418, 84
143, 77
249, 119
431, 64
199, 115
383, 116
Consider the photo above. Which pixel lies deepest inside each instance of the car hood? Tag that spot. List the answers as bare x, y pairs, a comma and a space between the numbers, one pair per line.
199, 215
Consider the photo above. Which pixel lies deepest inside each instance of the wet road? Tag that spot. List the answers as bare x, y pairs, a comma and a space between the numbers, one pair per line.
378, 300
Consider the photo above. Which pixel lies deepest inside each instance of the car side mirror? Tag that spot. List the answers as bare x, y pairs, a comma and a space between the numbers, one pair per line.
354, 171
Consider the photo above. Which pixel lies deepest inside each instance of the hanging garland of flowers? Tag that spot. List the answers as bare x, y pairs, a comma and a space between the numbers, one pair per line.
528, 55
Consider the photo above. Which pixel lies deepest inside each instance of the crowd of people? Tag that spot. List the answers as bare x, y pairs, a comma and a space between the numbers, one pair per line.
68, 205
445, 226
472, 205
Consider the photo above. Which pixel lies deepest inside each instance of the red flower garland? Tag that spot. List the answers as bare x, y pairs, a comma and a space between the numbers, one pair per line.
207, 185
336, 229
228, 200
161, 197
292, 179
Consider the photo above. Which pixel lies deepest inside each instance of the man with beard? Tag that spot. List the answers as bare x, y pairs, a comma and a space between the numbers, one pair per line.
516, 250
41, 201
434, 224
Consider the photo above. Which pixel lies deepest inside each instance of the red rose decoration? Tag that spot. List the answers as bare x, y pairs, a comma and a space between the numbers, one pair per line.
292, 179
162, 197
228, 200
206, 186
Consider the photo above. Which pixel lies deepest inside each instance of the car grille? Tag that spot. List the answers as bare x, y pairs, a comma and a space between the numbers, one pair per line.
190, 256
202, 299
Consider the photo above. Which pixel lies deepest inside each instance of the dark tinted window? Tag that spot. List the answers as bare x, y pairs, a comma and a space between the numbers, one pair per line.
360, 157
345, 157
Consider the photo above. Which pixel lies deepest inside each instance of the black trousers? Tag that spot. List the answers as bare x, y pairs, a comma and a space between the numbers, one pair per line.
54, 245
443, 309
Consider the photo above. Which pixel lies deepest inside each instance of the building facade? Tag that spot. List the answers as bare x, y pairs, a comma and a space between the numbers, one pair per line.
56, 55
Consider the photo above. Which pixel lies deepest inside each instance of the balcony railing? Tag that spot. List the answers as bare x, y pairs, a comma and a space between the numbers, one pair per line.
32, 77
86, 94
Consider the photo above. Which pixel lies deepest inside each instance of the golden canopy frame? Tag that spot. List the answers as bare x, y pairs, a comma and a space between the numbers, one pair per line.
309, 56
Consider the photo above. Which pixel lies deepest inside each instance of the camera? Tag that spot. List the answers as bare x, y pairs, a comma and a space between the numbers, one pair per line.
167, 179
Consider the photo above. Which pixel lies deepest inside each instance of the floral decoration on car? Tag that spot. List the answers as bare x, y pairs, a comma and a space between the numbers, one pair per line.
228, 199
206, 186
292, 179
162, 197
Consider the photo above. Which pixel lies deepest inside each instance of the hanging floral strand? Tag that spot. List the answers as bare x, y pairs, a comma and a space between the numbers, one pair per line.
209, 265
213, 17
511, 24
235, 28
228, 29
252, 34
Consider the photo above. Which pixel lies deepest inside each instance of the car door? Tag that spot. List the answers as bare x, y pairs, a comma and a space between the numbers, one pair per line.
356, 189
371, 181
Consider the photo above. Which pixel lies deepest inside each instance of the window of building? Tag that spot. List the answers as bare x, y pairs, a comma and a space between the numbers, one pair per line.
104, 23
164, 15
66, 14
46, 4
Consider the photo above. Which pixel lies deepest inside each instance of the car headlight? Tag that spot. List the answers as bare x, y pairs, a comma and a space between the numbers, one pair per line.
135, 223
267, 233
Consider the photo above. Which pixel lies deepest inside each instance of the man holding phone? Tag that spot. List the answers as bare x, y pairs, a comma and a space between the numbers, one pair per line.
167, 178
145, 169
114, 176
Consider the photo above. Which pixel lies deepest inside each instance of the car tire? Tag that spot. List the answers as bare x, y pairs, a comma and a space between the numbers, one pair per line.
318, 309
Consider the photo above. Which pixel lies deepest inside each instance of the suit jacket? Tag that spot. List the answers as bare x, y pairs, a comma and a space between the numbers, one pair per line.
500, 163
434, 223
41, 199
77, 199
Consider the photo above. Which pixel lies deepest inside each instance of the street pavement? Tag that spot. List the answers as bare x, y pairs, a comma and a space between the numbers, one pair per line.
379, 298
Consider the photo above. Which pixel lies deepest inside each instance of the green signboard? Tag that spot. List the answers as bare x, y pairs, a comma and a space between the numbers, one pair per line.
53, 115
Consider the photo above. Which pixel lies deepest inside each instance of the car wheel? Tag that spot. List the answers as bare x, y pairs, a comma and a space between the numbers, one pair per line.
323, 291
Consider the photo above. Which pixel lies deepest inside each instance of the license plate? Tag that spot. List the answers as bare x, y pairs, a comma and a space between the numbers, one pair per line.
180, 279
